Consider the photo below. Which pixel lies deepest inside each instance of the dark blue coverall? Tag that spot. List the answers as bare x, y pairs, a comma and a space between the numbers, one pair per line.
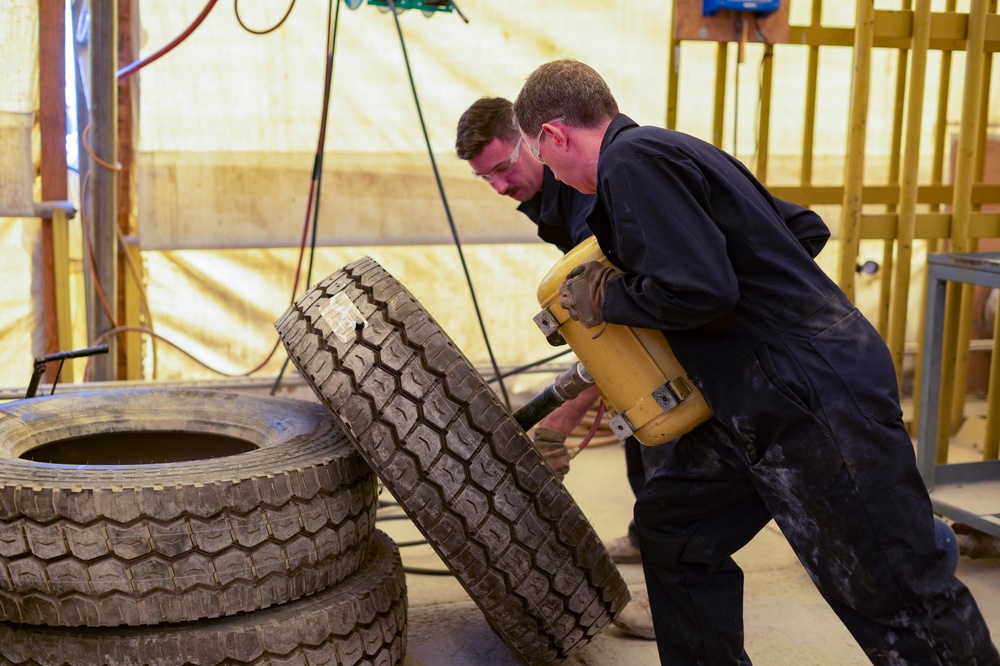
807, 430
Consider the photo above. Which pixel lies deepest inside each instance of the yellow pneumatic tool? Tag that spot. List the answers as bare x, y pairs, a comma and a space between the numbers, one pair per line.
645, 389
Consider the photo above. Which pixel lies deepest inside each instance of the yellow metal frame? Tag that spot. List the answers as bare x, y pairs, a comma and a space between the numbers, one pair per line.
899, 210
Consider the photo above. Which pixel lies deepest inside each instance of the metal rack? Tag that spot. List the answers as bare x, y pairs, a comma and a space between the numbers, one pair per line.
967, 492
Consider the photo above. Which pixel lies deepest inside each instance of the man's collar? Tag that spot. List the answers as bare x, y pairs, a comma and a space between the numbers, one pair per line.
619, 123
548, 178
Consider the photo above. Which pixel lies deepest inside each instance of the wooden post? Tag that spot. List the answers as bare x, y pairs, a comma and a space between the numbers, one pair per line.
52, 122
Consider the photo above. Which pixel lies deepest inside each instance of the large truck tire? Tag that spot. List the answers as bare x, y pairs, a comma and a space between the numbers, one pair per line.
230, 503
456, 461
361, 621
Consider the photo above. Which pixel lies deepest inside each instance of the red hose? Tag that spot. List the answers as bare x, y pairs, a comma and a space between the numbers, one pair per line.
593, 427
134, 67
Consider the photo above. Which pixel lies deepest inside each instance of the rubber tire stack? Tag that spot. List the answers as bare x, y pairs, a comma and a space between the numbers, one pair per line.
455, 460
266, 556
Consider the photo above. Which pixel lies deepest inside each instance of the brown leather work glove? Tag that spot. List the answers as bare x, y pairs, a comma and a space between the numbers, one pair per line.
583, 292
552, 445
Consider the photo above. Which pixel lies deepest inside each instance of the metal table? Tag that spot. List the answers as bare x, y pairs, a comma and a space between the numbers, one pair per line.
967, 492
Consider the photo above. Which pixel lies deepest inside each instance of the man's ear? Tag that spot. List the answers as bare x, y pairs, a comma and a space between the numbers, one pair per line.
558, 136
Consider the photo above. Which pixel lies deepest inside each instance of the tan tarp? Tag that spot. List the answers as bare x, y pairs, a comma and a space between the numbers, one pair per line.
18, 101
18, 237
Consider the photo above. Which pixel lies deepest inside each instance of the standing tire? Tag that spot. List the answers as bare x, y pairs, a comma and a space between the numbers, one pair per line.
359, 622
226, 503
456, 461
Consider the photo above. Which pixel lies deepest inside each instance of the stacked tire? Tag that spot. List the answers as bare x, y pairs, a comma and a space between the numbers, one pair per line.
177, 526
455, 460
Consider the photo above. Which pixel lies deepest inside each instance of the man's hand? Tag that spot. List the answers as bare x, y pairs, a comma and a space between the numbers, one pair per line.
583, 292
552, 445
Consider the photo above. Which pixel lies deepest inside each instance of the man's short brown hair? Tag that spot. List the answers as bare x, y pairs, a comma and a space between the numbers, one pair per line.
564, 88
487, 119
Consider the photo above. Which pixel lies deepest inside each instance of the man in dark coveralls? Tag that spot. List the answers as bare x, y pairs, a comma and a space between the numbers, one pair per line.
807, 426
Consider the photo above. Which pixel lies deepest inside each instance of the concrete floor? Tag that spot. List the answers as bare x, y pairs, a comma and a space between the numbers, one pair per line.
787, 622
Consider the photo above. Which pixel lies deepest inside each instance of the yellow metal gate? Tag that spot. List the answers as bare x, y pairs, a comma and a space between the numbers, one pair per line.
932, 193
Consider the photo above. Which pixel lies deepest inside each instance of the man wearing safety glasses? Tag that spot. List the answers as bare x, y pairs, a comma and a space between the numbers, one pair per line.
489, 142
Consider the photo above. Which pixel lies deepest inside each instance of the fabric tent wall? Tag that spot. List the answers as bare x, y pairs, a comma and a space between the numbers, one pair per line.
229, 120
18, 103
19, 237
228, 127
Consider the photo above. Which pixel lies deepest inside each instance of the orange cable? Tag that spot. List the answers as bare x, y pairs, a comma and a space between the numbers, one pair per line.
85, 228
117, 166
147, 331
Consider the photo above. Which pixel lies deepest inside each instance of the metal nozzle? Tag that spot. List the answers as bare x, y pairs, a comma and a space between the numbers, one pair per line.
566, 386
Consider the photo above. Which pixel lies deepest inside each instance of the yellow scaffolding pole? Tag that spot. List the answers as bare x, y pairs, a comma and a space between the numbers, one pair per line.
991, 438
673, 65
908, 186
850, 224
812, 75
764, 123
963, 362
721, 67
937, 178
959, 296
895, 153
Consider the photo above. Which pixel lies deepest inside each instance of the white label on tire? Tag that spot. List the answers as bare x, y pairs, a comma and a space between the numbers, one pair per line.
343, 317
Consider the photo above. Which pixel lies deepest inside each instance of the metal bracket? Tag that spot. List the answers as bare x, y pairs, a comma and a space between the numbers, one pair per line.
549, 327
665, 398
621, 426
42, 209
672, 393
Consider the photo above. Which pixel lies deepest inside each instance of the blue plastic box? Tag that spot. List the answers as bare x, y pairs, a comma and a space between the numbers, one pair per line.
711, 7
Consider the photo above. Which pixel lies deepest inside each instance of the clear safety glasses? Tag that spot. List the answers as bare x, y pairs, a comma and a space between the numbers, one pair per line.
503, 167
